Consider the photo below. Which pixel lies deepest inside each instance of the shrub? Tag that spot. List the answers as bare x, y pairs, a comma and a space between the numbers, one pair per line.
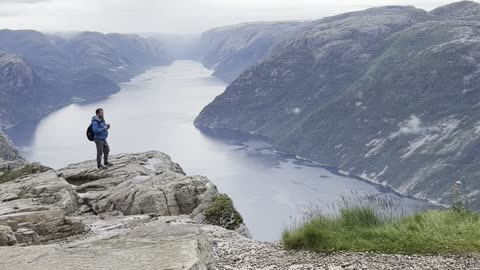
222, 213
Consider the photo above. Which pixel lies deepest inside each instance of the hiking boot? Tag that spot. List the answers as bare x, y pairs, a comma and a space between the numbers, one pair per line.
108, 164
102, 167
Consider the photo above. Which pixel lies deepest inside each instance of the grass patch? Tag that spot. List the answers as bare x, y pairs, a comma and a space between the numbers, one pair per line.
11, 174
222, 213
361, 229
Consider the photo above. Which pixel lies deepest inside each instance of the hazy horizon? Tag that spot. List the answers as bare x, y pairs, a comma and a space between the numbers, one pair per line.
173, 16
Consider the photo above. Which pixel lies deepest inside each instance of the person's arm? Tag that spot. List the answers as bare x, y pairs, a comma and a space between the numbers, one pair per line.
96, 127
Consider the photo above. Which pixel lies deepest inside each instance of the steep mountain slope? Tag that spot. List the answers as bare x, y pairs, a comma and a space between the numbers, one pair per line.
231, 50
7, 149
39, 73
390, 94
16, 81
116, 56
458, 9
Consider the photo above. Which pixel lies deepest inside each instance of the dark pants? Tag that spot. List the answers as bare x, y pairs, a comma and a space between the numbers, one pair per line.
102, 148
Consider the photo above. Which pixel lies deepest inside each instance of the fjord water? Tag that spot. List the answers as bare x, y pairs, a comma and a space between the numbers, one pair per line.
155, 111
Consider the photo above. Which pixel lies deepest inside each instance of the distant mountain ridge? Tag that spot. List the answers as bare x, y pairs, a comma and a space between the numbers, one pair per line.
458, 9
230, 50
389, 94
40, 73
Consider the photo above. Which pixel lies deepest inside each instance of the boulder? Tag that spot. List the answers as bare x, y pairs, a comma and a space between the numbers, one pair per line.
41, 189
35, 206
7, 237
144, 183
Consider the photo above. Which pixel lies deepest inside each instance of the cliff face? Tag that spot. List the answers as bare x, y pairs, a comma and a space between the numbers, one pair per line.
143, 206
8, 152
116, 56
388, 93
58, 204
233, 49
16, 81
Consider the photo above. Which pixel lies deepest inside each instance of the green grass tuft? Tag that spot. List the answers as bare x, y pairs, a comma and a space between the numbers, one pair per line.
361, 229
11, 174
222, 213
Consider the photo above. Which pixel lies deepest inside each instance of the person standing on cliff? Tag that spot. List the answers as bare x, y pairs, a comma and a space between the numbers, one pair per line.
100, 131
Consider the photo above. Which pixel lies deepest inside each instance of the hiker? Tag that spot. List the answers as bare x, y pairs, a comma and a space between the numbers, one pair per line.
100, 132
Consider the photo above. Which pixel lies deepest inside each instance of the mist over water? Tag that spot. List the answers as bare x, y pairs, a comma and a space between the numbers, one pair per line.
155, 111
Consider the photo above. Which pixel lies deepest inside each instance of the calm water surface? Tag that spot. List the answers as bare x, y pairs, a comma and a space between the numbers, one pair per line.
155, 111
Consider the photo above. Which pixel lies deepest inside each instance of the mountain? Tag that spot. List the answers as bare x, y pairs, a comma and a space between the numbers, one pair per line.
231, 50
389, 94
117, 56
7, 149
458, 9
178, 46
42, 72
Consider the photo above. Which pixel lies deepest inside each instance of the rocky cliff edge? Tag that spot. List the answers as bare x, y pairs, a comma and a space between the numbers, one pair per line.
142, 212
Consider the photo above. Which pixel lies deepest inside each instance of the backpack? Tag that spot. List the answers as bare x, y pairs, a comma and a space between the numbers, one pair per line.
90, 133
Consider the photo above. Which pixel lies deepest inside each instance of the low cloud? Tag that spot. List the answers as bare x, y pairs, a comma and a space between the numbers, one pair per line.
413, 126
22, 1
173, 16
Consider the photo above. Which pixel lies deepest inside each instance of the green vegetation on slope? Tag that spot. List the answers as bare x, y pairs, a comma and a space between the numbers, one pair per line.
11, 174
361, 229
222, 213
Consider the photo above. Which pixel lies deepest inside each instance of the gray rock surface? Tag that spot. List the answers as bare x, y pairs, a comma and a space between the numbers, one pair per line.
7, 237
36, 208
145, 183
50, 205
141, 213
115, 244
8, 152
389, 94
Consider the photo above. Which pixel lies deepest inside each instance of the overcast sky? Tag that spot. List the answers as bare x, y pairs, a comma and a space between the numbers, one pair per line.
173, 16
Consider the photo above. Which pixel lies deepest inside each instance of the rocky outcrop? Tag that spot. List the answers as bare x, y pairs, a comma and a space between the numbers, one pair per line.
389, 94
36, 206
231, 50
41, 205
8, 152
7, 237
147, 183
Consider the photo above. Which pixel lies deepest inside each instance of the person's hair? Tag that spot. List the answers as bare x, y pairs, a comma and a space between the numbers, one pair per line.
98, 110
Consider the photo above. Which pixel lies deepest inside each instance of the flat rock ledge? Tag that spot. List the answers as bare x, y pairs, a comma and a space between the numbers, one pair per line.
121, 243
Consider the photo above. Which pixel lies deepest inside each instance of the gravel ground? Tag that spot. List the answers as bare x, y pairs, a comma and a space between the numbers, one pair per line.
233, 251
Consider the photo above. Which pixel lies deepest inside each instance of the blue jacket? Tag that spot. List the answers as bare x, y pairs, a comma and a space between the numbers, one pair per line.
99, 127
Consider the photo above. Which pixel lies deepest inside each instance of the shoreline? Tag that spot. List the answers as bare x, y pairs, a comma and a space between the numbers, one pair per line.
242, 136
